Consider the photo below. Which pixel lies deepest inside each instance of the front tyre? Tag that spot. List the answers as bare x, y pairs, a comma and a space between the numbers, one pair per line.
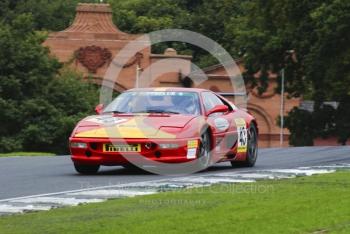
86, 169
252, 149
204, 150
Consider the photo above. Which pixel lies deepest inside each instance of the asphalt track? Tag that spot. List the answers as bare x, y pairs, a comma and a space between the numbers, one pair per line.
26, 176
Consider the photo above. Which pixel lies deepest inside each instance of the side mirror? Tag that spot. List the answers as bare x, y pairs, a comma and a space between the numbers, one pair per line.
99, 108
218, 108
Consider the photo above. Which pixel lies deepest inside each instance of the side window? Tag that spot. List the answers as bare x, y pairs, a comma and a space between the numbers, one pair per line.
230, 106
210, 100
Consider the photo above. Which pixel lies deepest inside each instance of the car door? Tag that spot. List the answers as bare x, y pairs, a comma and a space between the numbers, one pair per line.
222, 124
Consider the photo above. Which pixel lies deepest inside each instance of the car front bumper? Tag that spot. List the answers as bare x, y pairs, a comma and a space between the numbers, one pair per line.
94, 153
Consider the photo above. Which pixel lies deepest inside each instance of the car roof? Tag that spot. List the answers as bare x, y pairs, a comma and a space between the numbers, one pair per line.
169, 89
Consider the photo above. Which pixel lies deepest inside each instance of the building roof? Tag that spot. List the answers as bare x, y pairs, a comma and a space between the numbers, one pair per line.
93, 22
95, 18
216, 66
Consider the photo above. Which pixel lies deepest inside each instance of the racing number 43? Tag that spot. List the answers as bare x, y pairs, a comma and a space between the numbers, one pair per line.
242, 135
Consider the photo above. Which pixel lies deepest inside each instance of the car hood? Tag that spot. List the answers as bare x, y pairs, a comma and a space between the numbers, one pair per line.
130, 126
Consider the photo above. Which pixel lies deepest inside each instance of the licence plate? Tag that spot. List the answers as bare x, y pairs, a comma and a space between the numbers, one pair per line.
121, 148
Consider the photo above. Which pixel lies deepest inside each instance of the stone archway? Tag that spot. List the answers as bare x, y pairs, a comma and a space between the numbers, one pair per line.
265, 124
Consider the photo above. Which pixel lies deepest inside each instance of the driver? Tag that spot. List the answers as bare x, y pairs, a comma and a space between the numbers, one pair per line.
184, 104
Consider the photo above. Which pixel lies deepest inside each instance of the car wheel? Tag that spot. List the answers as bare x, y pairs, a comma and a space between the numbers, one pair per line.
204, 150
86, 169
252, 149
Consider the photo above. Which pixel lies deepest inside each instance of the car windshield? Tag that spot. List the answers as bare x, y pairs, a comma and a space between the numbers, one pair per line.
186, 103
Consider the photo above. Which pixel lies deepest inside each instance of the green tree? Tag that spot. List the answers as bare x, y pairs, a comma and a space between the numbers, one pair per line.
318, 31
207, 17
299, 121
39, 105
47, 15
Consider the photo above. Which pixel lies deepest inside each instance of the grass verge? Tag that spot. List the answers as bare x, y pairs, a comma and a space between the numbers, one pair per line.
12, 154
303, 205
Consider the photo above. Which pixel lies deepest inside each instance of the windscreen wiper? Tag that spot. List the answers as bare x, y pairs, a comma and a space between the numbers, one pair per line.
162, 111
115, 112
118, 112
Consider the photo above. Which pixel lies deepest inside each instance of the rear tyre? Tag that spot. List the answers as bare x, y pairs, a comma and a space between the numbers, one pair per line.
86, 169
252, 149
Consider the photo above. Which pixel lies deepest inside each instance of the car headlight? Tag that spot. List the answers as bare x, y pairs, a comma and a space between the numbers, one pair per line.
80, 145
168, 146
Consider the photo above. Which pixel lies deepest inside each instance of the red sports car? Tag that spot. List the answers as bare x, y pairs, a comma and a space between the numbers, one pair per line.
165, 126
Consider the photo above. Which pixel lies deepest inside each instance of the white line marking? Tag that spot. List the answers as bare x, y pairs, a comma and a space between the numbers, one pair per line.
113, 193
62, 201
19, 209
77, 190
303, 172
212, 180
166, 184
339, 166
255, 176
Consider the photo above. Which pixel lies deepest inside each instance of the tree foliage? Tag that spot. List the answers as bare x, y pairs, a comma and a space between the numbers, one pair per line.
259, 31
39, 102
318, 32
